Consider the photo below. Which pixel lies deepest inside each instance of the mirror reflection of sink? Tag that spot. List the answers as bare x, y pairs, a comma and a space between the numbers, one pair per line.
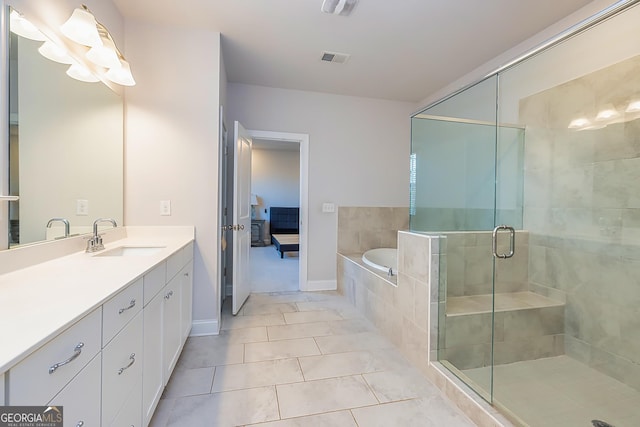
131, 251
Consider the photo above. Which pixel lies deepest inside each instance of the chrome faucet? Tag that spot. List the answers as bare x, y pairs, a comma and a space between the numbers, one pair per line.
94, 244
64, 221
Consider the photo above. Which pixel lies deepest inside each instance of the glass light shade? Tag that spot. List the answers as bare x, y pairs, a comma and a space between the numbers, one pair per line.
24, 28
580, 123
104, 55
121, 74
634, 107
81, 27
607, 112
55, 53
81, 73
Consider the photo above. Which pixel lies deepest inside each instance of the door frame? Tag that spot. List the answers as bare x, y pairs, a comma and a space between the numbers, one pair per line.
303, 140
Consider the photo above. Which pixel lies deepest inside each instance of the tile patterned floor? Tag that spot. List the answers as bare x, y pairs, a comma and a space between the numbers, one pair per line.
299, 359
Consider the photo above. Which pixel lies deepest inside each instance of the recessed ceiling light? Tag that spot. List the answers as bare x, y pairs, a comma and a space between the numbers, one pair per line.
338, 7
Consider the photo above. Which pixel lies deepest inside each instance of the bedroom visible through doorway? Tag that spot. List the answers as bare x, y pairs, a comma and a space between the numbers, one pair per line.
275, 226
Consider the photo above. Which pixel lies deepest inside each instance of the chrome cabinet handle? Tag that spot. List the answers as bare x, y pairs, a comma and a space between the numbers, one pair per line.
10, 198
169, 295
80, 424
76, 352
133, 360
131, 305
512, 242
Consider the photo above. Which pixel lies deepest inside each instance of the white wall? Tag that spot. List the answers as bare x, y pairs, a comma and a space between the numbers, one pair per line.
275, 179
171, 135
358, 153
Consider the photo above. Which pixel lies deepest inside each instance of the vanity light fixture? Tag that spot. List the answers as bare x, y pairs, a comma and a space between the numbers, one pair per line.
608, 112
55, 53
580, 123
104, 55
633, 107
82, 27
121, 75
80, 72
338, 7
22, 27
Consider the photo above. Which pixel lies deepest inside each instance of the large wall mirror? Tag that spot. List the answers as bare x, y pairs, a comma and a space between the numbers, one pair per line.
65, 148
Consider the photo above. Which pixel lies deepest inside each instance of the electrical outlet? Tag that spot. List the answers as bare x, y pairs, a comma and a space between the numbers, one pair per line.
165, 207
328, 208
82, 207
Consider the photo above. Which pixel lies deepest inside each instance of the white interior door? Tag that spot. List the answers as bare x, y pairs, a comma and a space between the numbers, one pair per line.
241, 217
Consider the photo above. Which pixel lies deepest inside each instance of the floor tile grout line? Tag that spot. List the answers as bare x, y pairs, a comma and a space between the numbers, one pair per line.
371, 388
275, 387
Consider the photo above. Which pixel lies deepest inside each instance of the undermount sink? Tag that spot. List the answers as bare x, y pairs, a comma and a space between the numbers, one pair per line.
132, 251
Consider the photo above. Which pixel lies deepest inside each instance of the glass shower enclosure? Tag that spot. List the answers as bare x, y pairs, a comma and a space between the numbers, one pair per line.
532, 179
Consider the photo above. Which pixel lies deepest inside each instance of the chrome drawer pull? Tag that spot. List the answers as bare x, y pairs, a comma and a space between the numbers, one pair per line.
131, 305
133, 360
76, 352
169, 295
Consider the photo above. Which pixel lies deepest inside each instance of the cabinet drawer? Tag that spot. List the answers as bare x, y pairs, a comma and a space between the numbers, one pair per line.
119, 310
154, 281
174, 265
131, 412
81, 397
39, 377
121, 369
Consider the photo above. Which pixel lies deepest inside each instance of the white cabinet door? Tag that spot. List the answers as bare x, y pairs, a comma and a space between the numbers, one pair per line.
129, 415
171, 327
187, 300
152, 370
121, 369
80, 399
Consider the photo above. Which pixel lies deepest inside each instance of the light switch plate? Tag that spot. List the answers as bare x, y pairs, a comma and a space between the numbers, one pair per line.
165, 207
82, 207
328, 208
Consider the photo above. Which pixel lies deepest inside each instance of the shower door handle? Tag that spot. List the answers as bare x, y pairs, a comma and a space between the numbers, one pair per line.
512, 241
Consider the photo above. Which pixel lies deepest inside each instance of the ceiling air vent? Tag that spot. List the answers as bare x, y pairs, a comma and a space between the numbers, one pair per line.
338, 58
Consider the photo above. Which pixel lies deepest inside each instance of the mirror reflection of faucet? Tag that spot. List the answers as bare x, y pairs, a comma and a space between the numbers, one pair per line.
94, 244
66, 226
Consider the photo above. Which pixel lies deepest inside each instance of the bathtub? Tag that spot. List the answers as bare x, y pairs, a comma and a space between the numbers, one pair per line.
382, 259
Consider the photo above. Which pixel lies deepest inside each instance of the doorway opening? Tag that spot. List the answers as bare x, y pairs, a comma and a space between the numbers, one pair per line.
267, 139
275, 206
281, 142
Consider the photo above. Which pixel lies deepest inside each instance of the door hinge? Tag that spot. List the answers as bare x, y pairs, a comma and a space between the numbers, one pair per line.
224, 271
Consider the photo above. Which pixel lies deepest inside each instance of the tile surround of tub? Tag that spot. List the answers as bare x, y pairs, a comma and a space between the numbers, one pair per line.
364, 228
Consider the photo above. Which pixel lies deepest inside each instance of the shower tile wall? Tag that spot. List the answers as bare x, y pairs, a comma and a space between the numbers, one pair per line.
364, 228
582, 209
470, 264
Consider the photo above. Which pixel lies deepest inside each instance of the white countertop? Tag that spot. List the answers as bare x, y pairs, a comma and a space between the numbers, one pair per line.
40, 301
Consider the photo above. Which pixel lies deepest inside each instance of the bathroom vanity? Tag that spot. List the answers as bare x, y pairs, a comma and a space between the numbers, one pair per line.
98, 333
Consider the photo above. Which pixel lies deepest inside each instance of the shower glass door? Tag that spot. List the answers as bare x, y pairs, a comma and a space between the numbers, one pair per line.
453, 193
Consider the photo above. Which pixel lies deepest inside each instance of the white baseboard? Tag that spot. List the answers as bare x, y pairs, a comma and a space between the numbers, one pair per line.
201, 328
320, 285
